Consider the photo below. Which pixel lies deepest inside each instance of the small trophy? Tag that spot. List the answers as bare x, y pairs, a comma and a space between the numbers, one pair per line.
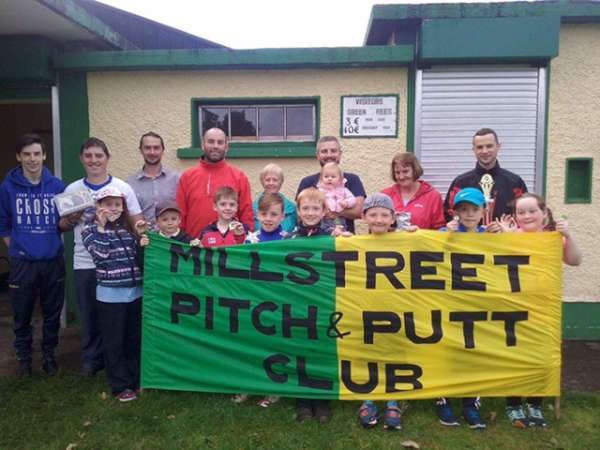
487, 184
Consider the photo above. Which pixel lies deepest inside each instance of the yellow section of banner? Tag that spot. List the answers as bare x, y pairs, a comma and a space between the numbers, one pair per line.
433, 314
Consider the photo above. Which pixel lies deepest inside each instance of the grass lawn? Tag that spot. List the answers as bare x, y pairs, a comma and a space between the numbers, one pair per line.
53, 413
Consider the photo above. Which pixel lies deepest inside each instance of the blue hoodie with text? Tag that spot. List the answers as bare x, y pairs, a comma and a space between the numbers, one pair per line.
29, 217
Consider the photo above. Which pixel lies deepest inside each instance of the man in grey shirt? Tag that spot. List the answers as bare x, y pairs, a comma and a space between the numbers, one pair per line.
153, 184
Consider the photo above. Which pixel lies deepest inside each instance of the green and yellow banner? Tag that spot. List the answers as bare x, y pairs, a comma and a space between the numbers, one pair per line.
399, 316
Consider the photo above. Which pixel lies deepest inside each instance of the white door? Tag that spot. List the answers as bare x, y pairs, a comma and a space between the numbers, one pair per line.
453, 102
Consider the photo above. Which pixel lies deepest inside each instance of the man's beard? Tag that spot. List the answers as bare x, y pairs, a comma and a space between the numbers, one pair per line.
152, 163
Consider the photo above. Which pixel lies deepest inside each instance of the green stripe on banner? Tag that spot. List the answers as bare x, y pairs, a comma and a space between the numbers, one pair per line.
216, 320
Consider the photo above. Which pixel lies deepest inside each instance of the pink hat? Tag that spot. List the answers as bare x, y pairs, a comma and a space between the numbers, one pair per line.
109, 192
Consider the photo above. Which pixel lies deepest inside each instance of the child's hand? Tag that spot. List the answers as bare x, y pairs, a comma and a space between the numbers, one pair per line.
141, 227
102, 216
144, 240
339, 231
237, 228
507, 223
452, 225
562, 226
343, 204
494, 227
411, 228
196, 243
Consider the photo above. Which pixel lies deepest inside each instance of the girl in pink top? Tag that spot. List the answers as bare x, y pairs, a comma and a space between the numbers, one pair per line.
531, 215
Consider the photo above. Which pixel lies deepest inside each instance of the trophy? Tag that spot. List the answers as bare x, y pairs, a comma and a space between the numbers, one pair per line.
487, 184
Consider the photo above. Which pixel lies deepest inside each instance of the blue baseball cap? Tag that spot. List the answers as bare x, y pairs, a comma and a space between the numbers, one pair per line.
469, 195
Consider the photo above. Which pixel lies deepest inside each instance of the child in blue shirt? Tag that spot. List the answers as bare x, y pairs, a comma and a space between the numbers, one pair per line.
468, 207
269, 213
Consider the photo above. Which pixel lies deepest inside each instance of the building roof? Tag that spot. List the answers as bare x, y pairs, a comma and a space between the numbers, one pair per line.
146, 34
90, 25
387, 19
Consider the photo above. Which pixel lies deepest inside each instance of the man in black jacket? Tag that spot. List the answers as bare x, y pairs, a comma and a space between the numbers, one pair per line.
506, 185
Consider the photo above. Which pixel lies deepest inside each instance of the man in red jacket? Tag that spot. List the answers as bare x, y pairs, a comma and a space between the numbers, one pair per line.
198, 185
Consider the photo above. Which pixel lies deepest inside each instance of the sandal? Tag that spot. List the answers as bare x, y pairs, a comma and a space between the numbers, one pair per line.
368, 415
393, 418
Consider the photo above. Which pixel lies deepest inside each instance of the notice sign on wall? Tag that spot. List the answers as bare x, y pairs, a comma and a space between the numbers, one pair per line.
370, 116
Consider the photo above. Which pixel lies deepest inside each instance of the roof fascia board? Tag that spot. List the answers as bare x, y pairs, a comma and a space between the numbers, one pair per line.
371, 56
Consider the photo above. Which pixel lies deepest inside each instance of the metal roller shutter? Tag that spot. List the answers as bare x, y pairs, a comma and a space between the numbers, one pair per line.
453, 103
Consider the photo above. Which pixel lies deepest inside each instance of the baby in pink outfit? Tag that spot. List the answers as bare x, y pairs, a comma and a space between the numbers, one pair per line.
332, 184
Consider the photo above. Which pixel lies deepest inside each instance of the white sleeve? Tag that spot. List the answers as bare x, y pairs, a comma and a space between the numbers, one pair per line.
132, 202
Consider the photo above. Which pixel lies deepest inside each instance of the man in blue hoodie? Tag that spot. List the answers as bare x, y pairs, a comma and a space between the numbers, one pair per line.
29, 226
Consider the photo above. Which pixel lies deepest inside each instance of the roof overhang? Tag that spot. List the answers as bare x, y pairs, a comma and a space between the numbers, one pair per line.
270, 58
60, 21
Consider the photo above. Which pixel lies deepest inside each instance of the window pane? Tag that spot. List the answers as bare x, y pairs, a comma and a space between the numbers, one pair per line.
270, 124
214, 118
243, 124
299, 123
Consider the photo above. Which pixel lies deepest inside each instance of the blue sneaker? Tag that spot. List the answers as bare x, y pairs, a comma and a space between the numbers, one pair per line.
445, 413
473, 418
517, 416
368, 415
392, 419
535, 416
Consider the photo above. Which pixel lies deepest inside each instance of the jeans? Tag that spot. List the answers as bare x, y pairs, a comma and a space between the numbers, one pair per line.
27, 281
91, 341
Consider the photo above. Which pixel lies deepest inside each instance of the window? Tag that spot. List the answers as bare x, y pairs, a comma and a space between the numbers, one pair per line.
265, 127
578, 180
260, 122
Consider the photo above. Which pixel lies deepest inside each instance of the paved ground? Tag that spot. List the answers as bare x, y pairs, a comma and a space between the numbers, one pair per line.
581, 360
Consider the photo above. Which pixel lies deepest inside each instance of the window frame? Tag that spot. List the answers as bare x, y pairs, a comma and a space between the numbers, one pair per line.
570, 198
255, 149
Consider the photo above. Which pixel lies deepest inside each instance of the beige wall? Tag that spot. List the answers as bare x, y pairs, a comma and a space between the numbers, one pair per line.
574, 131
124, 105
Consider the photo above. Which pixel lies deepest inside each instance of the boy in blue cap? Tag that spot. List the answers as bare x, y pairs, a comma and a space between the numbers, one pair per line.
468, 207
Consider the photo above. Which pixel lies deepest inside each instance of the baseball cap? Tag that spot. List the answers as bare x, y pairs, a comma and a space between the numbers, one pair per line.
109, 192
167, 206
469, 195
378, 199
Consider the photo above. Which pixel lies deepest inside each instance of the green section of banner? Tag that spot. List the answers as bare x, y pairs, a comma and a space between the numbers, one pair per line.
233, 320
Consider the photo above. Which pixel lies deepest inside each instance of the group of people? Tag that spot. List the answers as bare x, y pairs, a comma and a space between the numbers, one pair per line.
211, 205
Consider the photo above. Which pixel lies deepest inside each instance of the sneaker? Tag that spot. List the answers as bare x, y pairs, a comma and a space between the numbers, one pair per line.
368, 415
445, 414
517, 416
392, 419
126, 396
50, 367
303, 413
239, 398
473, 418
268, 401
323, 412
535, 416
24, 369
